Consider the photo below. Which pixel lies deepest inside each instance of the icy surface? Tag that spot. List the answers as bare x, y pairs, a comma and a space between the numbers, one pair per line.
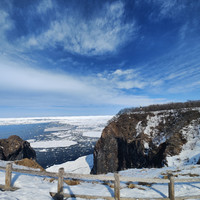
52, 144
57, 139
92, 134
62, 120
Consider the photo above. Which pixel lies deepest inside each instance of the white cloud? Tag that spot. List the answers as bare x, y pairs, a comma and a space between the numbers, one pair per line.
123, 79
28, 79
49, 88
5, 25
130, 84
184, 88
176, 72
103, 33
170, 9
44, 5
121, 72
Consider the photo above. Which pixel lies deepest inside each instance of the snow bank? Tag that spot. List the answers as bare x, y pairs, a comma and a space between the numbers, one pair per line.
82, 165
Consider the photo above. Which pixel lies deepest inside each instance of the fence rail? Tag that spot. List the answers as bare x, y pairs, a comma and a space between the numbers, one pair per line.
61, 175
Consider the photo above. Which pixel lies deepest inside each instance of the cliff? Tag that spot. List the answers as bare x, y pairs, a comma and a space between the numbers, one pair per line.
14, 148
138, 138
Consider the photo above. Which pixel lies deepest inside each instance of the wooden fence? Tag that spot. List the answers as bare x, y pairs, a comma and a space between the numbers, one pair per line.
61, 175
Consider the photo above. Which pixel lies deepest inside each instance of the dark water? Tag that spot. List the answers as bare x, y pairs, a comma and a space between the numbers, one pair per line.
50, 156
61, 155
25, 131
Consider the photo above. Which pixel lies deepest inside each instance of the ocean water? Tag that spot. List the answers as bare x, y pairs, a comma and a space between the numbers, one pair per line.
50, 156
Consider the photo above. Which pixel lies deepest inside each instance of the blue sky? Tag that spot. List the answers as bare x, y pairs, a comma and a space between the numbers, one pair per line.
83, 57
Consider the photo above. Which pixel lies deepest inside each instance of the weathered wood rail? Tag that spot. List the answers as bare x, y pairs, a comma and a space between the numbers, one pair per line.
61, 175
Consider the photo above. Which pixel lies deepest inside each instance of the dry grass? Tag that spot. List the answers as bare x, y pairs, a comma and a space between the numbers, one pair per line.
72, 182
51, 180
132, 186
175, 174
111, 185
29, 163
67, 181
191, 175
145, 184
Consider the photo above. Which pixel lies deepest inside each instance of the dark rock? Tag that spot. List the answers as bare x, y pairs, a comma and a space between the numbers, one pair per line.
14, 148
142, 139
2, 157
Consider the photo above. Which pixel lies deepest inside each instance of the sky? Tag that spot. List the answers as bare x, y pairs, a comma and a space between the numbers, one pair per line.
91, 57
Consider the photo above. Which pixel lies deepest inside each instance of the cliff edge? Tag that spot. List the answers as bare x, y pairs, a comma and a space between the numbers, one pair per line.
144, 137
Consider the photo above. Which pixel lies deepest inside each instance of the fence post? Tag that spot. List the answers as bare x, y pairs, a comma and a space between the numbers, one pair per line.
8, 176
59, 195
117, 186
171, 188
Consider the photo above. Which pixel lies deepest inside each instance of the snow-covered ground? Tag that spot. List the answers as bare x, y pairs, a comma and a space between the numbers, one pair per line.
35, 187
82, 165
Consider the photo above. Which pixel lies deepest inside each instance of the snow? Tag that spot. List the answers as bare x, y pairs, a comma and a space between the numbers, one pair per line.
190, 153
92, 134
82, 165
152, 122
37, 187
146, 145
60, 134
159, 139
139, 128
43, 150
52, 144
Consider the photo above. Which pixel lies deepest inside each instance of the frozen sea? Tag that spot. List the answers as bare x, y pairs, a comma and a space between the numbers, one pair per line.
56, 139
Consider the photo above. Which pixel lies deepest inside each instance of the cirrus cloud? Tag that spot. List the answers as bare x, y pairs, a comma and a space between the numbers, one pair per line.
63, 89
102, 33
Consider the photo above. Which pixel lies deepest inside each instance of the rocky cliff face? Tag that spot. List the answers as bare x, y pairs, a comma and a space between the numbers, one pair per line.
147, 139
14, 148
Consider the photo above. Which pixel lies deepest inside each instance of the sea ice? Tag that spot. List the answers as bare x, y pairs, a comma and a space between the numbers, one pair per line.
52, 144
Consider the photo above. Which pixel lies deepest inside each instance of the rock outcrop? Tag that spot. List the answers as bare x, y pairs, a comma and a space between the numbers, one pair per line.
146, 139
14, 148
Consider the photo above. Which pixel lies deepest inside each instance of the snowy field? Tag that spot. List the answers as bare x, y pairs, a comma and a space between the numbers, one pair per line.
35, 187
